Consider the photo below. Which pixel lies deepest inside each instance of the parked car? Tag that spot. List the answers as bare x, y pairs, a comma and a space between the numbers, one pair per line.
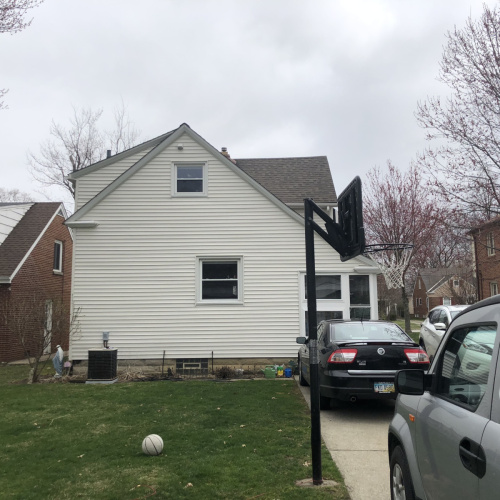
359, 359
443, 439
434, 326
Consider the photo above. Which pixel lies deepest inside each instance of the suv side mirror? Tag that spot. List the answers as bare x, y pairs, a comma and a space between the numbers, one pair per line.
412, 382
440, 326
301, 340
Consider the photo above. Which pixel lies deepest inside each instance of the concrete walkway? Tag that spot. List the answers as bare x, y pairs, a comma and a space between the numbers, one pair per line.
356, 437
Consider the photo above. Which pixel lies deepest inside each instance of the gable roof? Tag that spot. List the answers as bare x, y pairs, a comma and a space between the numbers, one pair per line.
158, 145
152, 143
24, 235
293, 179
434, 278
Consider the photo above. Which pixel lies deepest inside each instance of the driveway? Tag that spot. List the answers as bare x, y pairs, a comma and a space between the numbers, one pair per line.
356, 436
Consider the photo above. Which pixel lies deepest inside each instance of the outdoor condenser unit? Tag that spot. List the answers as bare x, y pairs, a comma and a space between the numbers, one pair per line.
102, 366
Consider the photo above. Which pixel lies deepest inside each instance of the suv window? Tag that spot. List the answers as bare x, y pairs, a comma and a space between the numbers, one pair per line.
434, 316
465, 365
443, 318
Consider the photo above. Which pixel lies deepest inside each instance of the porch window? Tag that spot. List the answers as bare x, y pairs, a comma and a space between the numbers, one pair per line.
323, 316
359, 291
327, 287
220, 280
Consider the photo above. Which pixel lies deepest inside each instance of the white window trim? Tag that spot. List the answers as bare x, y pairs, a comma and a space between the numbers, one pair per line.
332, 305
202, 164
199, 274
60, 269
493, 288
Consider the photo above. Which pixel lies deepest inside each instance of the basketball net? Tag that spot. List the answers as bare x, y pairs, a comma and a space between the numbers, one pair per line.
392, 261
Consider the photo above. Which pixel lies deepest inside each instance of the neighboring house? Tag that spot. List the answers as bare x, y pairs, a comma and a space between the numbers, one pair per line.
35, 267
445, 286
486, 238
180, 249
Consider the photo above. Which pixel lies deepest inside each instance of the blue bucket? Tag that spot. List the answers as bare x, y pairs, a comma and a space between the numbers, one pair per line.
288, 372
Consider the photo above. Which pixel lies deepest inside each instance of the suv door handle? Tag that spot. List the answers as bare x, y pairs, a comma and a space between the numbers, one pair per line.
473, 457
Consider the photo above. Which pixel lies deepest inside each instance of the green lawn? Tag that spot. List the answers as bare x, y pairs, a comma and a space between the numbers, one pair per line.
229, 440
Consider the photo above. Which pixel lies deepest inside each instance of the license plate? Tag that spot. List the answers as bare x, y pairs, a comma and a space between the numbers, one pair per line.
384, 387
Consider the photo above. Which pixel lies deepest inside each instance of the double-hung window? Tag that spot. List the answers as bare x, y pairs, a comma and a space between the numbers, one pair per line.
220, 280
58, 256
190, 179
490, 244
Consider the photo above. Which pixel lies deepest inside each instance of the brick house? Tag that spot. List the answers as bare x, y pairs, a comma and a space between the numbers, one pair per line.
35, 268
436, 287
486, 238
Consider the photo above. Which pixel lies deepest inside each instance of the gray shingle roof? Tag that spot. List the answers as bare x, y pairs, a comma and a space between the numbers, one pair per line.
435, 277
293, 179
21, 238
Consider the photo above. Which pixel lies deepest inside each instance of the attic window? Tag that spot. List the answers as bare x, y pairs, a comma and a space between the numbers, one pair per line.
190, 179
58, 253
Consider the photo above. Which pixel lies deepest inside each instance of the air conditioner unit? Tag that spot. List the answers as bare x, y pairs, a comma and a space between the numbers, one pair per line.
102, 366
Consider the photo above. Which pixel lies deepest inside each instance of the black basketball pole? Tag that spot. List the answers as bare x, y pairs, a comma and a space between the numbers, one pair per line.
313, 345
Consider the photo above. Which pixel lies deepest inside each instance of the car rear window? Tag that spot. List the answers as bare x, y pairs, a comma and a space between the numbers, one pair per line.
387, 332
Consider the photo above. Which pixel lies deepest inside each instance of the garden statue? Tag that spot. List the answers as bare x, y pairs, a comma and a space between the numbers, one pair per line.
58, 361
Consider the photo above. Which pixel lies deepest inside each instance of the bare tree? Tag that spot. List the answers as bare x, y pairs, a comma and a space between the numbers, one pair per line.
13, 12
12, 20
464, 165
81, 144
395, 211
14, 196
38, 322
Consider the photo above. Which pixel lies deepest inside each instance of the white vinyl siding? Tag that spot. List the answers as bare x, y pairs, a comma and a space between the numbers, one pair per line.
135, 274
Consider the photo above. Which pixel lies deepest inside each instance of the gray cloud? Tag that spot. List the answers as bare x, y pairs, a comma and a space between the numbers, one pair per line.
264, 78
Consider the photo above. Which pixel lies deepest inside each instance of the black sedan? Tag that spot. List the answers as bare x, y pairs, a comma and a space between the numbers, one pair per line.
359, 359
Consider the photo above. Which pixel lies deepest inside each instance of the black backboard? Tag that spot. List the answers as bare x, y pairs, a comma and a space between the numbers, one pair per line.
350, 220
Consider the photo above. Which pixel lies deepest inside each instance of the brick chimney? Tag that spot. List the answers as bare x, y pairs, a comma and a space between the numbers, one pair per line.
226, 154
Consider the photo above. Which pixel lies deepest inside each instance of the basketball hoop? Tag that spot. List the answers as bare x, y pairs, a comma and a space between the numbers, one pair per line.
392, 259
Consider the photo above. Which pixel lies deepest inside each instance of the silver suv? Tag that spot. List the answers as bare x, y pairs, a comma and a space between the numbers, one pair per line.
434, 326
445, 434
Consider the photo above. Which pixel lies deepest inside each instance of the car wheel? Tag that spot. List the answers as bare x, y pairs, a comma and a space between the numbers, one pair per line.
302, 380
401, 483
324, 402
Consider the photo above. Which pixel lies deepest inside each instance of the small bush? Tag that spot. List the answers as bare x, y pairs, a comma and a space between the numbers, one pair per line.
224, 372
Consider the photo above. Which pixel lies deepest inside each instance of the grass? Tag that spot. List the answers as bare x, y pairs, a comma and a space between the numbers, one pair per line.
229, 440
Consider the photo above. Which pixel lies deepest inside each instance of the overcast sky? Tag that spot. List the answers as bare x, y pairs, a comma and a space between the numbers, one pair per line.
265, 78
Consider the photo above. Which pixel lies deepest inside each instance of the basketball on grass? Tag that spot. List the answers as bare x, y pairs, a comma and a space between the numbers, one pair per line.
152, 445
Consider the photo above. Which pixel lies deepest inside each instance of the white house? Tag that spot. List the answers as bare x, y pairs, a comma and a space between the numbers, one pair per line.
179, 248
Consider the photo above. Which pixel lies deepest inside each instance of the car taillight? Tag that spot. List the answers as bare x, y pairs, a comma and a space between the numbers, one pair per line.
343, 356
416, 356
